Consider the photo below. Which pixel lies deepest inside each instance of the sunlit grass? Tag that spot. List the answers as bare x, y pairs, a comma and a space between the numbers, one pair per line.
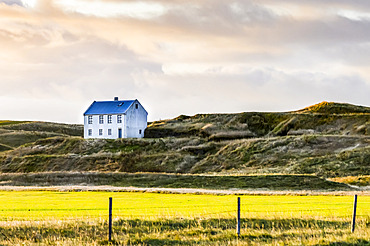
80, 218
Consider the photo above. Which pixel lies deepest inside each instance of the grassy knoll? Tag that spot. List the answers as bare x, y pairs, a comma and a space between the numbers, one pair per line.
17, 133
79, 218
335, 108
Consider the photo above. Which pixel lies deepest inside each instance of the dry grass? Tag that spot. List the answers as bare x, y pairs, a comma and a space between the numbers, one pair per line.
354, 180
321, 155
219, 231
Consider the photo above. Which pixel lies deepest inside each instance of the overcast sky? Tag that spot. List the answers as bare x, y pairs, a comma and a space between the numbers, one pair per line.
181, 56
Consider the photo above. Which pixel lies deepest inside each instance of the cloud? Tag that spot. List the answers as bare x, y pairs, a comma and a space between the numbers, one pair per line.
189, 57
12, 2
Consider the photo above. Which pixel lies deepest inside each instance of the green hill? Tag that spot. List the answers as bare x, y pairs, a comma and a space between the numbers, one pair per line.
326, 140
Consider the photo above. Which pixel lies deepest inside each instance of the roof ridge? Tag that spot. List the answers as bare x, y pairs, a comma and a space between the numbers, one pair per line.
115, 101
109, 107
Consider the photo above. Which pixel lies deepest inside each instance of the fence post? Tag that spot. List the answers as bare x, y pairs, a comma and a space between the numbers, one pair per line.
238, 225
110, 219
354, 214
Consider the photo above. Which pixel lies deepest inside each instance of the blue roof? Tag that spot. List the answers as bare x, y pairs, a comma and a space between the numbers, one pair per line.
109, 107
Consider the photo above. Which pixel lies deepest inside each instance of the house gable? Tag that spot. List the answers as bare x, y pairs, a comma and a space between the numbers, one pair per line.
132, 106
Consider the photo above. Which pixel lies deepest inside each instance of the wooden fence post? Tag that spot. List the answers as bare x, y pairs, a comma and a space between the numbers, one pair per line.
110, 219
354, 214
238, 225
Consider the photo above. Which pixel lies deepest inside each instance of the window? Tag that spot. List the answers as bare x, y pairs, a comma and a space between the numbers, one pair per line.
101, 119
139, 131
90, 132
109, 119
109, 131
119, 118
100, 132
89, 119
136, 106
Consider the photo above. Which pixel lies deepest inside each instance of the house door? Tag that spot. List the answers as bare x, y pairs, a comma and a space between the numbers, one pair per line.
119, 133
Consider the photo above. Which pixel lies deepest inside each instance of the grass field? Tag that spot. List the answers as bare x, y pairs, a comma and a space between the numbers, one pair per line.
80, 218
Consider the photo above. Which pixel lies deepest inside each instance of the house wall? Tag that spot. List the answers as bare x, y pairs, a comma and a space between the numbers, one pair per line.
135, 120
95, 126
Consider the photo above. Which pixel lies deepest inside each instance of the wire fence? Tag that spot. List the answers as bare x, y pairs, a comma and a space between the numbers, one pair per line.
259, 212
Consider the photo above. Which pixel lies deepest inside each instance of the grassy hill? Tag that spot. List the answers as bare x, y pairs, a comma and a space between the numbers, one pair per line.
329, 140
322, 118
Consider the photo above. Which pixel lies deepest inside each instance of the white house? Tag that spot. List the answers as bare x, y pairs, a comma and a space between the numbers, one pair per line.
115, 119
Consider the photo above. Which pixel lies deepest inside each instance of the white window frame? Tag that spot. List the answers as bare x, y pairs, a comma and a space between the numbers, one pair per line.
89, 119
109, 119
101, 119
109, 131
119, 118
100, 132
89, 132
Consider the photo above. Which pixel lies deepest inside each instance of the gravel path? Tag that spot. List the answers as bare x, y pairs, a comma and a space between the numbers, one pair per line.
364, 192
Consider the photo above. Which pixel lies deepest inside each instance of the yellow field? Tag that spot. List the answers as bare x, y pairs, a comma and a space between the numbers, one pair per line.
71, 218
38, 205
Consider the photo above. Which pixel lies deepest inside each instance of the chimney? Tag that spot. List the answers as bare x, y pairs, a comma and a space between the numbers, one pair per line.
115, 98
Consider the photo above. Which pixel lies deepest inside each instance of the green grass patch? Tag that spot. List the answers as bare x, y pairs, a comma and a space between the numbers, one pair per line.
271, 182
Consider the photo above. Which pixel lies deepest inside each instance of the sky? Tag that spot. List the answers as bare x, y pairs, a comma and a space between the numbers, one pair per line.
181, 56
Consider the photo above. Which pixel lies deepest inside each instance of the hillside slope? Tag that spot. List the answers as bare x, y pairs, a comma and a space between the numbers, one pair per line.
16, 133
322, 118
327, 140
